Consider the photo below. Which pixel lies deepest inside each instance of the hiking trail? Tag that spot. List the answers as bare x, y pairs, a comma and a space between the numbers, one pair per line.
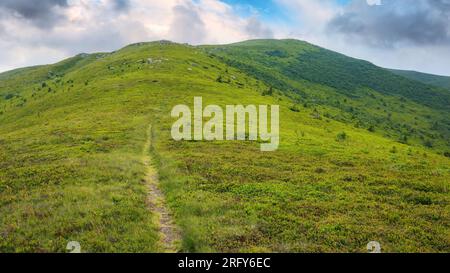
156, 202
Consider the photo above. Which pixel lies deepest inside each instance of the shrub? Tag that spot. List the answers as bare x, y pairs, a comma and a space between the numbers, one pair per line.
315, 114
9, 96
403, 139
428, 143
294, 108
341, 136
393, 150
268, 92
320, 170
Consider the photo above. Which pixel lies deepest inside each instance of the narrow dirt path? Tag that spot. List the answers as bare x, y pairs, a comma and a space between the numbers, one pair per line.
169, 233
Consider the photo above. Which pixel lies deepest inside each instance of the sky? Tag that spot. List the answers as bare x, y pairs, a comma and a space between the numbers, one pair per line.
402, 34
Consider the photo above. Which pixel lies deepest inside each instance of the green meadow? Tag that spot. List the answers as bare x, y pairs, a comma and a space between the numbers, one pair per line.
361, 157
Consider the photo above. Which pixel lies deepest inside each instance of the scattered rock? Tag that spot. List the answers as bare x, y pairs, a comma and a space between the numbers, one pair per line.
154, 61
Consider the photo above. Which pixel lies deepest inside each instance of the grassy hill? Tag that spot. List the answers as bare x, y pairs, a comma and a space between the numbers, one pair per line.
346, 89
72, 136
439, 81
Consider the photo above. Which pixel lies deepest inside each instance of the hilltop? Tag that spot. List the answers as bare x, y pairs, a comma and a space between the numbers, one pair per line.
346, 89
362, 153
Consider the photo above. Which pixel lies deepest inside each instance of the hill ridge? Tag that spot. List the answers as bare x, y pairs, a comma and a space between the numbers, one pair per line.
71, 157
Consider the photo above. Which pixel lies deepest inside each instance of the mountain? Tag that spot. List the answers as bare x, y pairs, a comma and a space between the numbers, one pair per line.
73, 136
351, 90
435, 80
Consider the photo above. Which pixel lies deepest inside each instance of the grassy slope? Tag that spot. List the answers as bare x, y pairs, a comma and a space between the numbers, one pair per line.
347, 89
440, 81
71, 170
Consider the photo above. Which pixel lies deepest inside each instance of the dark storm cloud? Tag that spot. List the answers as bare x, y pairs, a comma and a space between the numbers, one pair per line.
423, 22
42, 12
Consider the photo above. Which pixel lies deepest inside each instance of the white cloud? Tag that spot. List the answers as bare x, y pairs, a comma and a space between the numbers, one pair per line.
310, 17
105, 25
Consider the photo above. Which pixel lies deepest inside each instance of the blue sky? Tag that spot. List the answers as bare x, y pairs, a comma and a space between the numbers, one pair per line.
268, 10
